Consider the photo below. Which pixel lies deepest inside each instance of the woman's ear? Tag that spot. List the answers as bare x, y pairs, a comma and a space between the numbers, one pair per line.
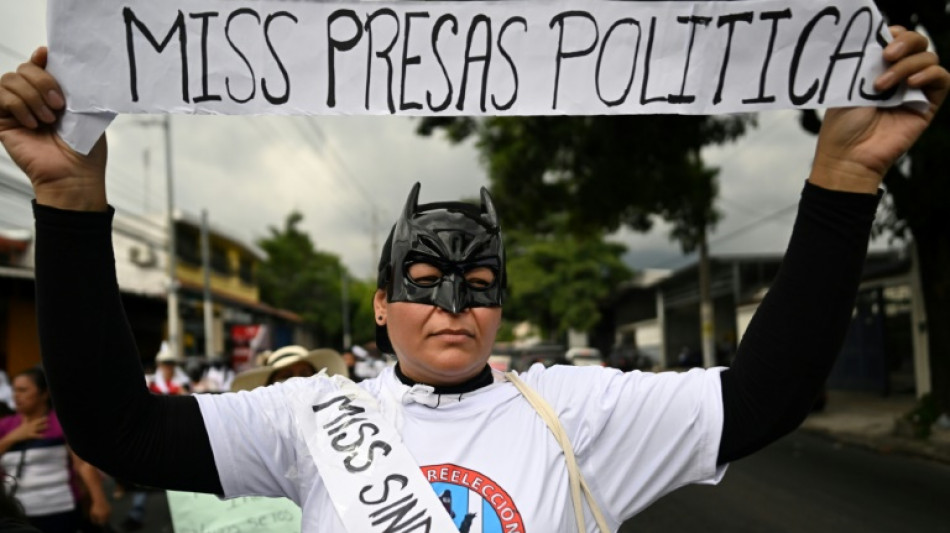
379, 306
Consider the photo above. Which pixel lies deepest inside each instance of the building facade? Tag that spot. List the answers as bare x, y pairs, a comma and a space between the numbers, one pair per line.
241, 324
657, 317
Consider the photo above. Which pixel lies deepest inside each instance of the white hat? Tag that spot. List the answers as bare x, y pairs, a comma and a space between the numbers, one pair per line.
288, 355
165, 355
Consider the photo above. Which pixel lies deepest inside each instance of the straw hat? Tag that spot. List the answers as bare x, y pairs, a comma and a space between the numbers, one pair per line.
165, 355
321, 358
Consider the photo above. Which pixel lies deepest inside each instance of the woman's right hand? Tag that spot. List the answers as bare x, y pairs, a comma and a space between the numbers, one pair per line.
30, 102
28, 430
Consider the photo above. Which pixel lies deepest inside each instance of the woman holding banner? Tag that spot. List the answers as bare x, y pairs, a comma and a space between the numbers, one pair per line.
350, 455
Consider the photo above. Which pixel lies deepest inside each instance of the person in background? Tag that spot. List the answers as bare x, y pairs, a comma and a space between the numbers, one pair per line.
6, 395
369, 364
33, 450
349, 359
169, 378
290, 362
217, 377
12, 519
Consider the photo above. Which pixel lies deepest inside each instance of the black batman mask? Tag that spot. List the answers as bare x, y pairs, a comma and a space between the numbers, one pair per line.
446, 254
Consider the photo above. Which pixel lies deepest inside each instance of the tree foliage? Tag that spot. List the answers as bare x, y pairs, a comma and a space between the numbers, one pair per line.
602, 172
557, 281
298, 277
561, 183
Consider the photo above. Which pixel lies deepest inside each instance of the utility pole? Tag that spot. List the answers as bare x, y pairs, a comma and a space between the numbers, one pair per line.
706, 316
174, 327
206, 269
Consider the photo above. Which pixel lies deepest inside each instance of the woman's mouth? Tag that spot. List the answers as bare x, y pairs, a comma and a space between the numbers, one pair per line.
454, 335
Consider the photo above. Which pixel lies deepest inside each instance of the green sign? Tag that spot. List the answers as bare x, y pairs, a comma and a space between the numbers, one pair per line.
206, 513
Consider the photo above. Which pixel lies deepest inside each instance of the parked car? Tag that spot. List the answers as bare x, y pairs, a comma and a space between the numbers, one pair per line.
627, 358
584, 356
523, 357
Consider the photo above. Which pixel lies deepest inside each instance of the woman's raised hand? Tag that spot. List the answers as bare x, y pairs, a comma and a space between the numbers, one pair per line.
30, 102
857, 145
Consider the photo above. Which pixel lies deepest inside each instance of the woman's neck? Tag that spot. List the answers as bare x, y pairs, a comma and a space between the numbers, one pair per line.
36, 413
482, 379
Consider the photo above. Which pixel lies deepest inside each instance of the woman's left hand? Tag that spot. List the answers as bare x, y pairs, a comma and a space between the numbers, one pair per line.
857, 145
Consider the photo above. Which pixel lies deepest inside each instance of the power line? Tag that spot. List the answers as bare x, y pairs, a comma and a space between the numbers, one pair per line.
324, 173
754, 224
353, 181
739, 146
735, 233
375, 209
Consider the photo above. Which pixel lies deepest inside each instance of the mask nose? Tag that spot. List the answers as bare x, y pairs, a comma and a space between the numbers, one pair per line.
451, 294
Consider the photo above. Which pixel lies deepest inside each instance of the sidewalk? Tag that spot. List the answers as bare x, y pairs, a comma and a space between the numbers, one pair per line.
869, 420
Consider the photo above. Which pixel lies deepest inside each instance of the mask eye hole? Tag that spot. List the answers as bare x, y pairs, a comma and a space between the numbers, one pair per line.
480, 278
424, 274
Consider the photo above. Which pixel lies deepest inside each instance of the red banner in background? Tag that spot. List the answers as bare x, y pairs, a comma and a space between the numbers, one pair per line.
247, 340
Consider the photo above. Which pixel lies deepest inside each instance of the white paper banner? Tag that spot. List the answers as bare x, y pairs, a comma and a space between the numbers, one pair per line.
516, 57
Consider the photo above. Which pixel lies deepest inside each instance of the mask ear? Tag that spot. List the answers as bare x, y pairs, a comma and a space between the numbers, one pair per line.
412, 203
408, 210
488, 208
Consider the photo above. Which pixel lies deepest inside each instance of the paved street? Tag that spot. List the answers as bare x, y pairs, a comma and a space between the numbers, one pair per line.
803, 483
157, 518
806, 483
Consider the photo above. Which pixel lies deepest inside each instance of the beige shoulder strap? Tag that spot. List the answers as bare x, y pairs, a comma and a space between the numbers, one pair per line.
575, 477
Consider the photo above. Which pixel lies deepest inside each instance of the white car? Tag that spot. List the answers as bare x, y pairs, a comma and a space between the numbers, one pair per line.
584, 356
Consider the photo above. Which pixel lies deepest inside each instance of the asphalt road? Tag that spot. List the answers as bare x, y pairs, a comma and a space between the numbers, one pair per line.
802, 483
806, 483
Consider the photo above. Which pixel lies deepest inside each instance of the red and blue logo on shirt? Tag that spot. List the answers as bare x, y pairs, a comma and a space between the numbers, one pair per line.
474, 501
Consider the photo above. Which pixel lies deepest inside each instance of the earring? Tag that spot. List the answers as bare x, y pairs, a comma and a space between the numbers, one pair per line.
380, 318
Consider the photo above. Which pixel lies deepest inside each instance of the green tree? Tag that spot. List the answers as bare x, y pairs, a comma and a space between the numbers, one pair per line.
917, 205
601, 172
298, 277
562, 178
558, 281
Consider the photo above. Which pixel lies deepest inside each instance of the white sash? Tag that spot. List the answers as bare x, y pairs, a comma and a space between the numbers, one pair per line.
373, 481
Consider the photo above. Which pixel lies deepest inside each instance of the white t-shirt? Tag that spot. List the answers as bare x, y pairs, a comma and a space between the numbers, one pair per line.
637, 436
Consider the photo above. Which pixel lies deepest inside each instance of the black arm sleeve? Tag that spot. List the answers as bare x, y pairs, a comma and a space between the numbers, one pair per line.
110, 418
791, 343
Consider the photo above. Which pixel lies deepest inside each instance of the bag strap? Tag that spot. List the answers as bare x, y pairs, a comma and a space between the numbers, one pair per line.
575, 478
19, 472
